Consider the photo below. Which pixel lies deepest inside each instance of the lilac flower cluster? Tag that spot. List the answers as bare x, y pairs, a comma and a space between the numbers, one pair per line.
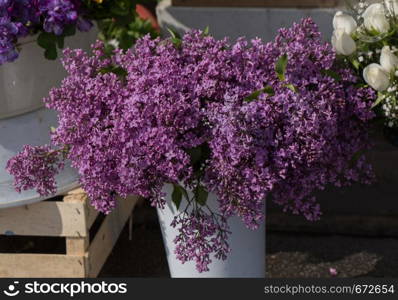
18, 18
214, 114
200, 235
42, 164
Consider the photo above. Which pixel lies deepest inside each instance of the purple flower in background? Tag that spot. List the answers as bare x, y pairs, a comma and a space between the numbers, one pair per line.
131, 122
18, 18
8, 31
57, 14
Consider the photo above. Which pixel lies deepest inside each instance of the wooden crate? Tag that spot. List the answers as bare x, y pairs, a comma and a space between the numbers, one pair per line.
257, 3
69, 218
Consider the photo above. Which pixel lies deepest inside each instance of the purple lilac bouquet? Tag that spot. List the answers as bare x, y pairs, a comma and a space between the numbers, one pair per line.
247, 121
55, 18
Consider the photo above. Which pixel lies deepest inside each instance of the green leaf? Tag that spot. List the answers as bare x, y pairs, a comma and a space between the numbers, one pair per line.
201, 195
46, 40
291, 87
281, 66
173, 33
269, 90
178, 192
51, 52
122, 73
331, 74
254, 96
176, 42
356, 64
69, 30
61, 42
379, 99
206, 31
176, 196
175, 38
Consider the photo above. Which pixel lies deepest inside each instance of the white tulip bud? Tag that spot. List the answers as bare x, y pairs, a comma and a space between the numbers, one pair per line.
344, 21
376, 77
388, 60
375, 18
343, 43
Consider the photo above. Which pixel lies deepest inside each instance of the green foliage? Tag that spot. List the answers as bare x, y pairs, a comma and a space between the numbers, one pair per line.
380, 98
201, 195
332, 74
175, 37
118, 21
50, 42
177, 194
291, 87
119, 71
254, 96
280, 67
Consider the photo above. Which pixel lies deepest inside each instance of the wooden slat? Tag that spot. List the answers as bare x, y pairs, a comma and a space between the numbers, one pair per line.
79, 195
76, 245
42, 266
108, 234
91, 215
256, 3
45, 219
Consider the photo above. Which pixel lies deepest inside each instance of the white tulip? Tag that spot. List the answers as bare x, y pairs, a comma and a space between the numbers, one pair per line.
376, 77
388, 60
344, 21
375, 18
343, 42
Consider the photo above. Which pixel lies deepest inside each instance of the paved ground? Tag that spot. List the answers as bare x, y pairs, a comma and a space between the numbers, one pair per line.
299, 256
290, 255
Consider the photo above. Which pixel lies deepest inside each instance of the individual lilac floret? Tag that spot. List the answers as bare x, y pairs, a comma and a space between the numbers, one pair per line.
35, 168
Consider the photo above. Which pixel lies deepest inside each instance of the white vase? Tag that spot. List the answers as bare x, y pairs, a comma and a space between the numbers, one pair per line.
27, 80
246, 260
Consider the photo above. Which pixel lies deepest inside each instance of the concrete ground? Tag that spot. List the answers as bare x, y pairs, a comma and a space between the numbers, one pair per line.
303, 256
289, 254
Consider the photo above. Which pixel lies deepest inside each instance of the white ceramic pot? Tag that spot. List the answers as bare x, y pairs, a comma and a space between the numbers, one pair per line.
246, 260
24, 120
26, 81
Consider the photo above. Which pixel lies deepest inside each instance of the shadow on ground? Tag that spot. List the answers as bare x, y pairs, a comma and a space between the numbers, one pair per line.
299, 255
144, 254
289, 255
